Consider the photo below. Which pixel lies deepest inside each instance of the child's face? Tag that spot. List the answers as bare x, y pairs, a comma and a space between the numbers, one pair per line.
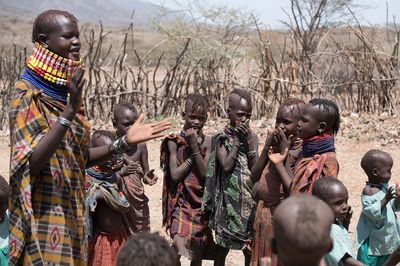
64, 38
287, 119
383, 169
239, 112
310, 123
123, 120
195, 118
338, 197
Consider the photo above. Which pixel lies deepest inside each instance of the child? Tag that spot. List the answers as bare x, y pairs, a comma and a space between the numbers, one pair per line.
147, 249
183, 160
378, 229
335, 194
107, 206
227, 197
3, 222
319, 123
135, 171
269, 188
301, 231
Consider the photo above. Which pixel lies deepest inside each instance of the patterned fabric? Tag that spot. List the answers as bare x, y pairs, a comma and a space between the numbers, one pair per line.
105, 246
50, 66
380, 227
270, 193
227, 198
182, 202
138, 217
341, 246
270, 186
310, 169
108, 192
48, 217
319, 144
263, 222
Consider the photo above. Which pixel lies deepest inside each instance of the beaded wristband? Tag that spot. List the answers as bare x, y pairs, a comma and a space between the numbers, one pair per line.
64, 122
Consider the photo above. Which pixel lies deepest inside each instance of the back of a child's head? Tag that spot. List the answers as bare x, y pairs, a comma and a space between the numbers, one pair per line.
147, 249
45, 21
302, 230
329, 113
372, 158
197, 100
94, 142
323, 186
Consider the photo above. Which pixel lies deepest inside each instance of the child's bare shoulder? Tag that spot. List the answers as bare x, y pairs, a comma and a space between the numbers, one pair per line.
142, 146
369, 191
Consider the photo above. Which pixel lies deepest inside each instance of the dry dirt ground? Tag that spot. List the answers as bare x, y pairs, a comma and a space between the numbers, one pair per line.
349, 152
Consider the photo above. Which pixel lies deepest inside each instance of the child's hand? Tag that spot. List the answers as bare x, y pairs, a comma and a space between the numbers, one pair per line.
269, 140
131, 168
244, 132
390, 194
347, 219
282, 141
191, 138
76, 84
278, 157
150, 178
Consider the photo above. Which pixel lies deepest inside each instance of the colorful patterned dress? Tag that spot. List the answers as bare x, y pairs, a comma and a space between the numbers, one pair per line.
227, 198
319, 159
181, 204
48, 218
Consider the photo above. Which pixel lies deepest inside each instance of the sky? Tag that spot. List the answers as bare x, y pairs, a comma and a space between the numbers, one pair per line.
270, 11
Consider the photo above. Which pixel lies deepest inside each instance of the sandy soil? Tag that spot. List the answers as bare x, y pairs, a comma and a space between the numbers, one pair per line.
349, 153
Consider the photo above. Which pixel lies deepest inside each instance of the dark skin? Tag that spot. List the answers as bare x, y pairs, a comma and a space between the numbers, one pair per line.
239, 114
195, 119
394, 259
3, 203
286, 121
312, 123
105, 219
381, 173
64, 38
290, 253
337, 197
137, 156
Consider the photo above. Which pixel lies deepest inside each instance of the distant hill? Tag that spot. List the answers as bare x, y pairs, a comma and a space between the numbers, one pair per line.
108, 11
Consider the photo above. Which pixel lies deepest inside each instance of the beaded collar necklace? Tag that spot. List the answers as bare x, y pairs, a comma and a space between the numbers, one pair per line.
50, 66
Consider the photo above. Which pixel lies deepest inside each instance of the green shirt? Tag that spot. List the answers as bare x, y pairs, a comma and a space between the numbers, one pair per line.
381, 227
341, 246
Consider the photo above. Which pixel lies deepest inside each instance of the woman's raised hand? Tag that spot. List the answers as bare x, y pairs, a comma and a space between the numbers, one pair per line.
140, 132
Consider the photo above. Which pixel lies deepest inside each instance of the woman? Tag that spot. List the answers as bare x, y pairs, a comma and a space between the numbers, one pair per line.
50, 149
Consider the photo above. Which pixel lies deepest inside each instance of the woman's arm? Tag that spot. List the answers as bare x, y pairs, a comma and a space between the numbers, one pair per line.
48, 145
